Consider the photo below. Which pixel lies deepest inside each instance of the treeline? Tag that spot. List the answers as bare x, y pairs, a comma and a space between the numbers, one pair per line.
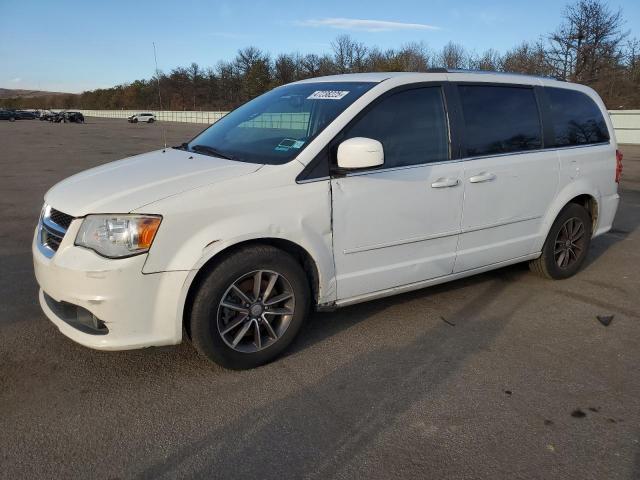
590, 46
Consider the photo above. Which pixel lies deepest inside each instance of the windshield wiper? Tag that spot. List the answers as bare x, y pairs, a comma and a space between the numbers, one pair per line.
207, 150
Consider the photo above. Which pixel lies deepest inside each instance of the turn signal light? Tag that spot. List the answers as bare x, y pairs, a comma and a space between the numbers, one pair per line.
147, 231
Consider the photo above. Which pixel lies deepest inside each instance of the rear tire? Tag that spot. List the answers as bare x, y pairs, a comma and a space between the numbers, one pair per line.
566, 246
151, 120
12, 119
135, 120
269, 294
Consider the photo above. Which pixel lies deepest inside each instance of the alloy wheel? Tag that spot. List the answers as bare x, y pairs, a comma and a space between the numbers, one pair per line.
255, 311
570, 243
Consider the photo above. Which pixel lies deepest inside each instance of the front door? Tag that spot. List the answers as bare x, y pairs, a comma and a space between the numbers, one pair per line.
399, 223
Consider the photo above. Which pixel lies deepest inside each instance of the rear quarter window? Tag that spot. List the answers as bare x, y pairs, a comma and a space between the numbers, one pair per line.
576, 118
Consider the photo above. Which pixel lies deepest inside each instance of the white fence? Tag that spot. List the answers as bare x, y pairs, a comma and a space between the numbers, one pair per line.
162, 115
625, 122
627, 125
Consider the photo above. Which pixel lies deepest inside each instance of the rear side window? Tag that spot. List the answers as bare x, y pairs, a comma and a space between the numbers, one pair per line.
411, 125
577, 120
500, 119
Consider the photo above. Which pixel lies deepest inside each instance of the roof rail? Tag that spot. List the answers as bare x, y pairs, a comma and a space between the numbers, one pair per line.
492, 72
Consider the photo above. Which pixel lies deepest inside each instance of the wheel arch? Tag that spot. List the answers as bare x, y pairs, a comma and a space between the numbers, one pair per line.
579, 193
590, 203
299, 253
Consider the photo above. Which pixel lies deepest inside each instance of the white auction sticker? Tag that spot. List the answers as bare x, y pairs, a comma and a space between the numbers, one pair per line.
328, 95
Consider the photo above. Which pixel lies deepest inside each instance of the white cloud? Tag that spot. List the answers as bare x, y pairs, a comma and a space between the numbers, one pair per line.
365, 25
16, 80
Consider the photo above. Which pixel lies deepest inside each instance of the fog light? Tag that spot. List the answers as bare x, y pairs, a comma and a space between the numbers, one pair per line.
85, 317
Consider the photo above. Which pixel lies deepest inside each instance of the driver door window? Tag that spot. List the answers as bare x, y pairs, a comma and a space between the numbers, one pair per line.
411, 125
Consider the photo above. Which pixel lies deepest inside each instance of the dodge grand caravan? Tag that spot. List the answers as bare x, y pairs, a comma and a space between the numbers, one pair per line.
324, 193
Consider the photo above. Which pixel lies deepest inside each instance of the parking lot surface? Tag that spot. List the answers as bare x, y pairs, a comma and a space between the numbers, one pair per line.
502, 375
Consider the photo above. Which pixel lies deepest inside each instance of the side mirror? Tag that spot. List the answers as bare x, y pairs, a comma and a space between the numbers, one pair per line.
360, 152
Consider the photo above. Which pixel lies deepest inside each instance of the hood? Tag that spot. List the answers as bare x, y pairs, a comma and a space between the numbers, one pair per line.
125, 185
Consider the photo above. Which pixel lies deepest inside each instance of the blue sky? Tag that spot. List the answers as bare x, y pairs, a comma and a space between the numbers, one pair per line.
79, 45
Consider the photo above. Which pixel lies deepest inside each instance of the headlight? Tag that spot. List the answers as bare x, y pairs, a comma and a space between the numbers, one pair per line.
117, 236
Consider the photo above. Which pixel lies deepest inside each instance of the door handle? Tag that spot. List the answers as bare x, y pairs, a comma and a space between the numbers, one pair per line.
445, 182
482, 177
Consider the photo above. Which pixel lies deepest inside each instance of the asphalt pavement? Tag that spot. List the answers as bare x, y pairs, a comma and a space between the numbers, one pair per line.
502, 375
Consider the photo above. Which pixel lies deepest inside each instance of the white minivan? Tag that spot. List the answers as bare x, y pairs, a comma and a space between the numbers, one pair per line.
324, 193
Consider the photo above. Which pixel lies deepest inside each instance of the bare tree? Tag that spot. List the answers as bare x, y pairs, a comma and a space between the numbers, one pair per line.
587, 41
526, 58
310, 65
414, 57
632, 59
286, 68
342, 53
195, 75
452, 55
624, 81
490, 60
254, 69
229, 81
349, 55
247, 57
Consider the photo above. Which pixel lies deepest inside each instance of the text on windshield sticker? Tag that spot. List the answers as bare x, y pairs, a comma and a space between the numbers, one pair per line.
328, 95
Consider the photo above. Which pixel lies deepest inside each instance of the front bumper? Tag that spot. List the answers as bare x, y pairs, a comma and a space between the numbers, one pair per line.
138, 310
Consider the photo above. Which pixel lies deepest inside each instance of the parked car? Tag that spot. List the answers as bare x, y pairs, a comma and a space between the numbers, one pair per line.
25, 115
8, 115
142, 117
46, 115
67, 116
74, 117
57, 117
324, 193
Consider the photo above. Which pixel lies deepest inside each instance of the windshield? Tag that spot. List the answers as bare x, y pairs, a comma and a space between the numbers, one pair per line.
275, 127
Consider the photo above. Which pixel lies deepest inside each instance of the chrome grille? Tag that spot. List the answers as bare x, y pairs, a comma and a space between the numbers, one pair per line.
60, 218
52, 229
51, 238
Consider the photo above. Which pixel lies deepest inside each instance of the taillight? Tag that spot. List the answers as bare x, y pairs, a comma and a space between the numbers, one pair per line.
618, 165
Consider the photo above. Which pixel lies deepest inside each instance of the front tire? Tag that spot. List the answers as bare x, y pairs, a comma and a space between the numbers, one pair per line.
151, 120
249, 307
566, 246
